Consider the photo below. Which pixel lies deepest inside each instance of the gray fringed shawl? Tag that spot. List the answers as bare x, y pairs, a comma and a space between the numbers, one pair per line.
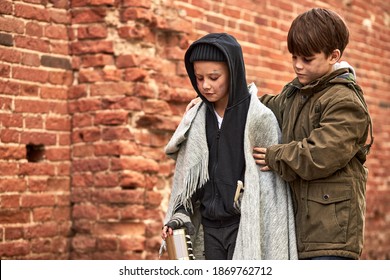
266, 229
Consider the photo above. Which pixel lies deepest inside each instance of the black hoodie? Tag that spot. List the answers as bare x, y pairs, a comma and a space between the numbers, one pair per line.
226, 145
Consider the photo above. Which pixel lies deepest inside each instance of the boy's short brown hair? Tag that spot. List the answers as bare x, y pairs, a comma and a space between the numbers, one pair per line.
317, 30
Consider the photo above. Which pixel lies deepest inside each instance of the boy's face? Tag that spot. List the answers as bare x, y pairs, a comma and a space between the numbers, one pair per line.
212, 79
311, 68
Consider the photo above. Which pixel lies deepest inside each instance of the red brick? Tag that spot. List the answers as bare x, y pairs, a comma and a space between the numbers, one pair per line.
42, 214
39, 246
57, 154
136, 14
143, 90
90, 76
59, 48
132, 244
13, 233
10, 201
89, 134
6, 7
34, 29
37, 200
7, 87
14, 249
48, 229
91, 47
28, 74
139, 164
136, 32
34, 122
135, 75
30, 60
29, 90
133, 212
121, 229
93, 15
83, 105
56, 32
58, 16
92, 32
106, 244
12, 25
83, 151
104, 180
153, 199
11, 120
59, 124
156, 107
83, 243
85, 212
61, 78
10, 55
8, 168
31, 12
132, 179
38, 138
128, 60
92, 165
114, 196
62, 214
138, 3
97, 60
12, 185
108, 212
112, 75
111, 89
37, 185
82, 120
57, 184
157, 122
6, 103
34, 44
116, 133
130, 103
14, 216
5, 71
9, 136
12, 152
54, 93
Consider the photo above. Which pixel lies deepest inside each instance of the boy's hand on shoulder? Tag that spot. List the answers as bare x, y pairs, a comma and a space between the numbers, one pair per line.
192, 103
259, 156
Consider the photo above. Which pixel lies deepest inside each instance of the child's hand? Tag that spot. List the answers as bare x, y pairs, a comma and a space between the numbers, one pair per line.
165, 232
192, 103
259, 156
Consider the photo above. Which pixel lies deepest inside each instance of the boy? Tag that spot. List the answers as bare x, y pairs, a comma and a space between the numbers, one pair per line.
213, 150
325, 125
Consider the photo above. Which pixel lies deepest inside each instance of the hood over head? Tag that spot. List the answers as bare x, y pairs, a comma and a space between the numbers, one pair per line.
220, 47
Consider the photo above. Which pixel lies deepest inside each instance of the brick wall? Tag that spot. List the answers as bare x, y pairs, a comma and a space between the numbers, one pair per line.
91, 91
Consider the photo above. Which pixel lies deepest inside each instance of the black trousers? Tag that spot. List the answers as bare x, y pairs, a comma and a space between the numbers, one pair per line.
219, 242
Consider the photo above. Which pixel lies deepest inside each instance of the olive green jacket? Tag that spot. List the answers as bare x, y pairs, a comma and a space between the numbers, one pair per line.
325, 126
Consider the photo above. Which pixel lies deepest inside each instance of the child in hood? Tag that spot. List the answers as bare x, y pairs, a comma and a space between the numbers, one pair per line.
213, 148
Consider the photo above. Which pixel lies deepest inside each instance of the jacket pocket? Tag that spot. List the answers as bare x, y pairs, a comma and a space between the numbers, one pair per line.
327, 214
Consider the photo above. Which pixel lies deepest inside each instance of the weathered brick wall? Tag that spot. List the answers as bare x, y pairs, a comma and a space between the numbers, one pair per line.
35, 74
91, 91
125, 56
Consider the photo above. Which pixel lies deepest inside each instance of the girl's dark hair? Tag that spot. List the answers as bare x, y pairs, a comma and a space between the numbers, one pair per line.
317, 30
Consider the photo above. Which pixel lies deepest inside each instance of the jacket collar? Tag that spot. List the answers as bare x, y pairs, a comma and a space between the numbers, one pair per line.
341, 75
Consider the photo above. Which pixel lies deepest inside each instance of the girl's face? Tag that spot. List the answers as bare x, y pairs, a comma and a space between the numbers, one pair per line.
212, 79
311, 68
